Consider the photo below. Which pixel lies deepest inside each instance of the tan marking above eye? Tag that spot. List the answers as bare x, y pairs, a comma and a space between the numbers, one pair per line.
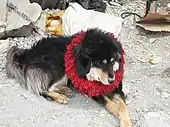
105, 61
111, 60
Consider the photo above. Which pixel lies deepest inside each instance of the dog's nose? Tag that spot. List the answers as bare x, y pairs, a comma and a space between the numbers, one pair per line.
110, 80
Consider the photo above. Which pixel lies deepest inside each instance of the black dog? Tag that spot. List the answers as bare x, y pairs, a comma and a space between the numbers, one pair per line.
41, 68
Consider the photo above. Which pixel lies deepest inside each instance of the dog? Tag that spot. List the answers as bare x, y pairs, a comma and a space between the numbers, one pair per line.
41, 69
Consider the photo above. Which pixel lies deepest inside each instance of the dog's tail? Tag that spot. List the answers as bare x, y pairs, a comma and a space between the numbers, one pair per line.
13, 69
31, 76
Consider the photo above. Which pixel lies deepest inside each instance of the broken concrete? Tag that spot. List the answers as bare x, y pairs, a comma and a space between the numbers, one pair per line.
3, 17
41, 23
156, 119
20, 18
4, 44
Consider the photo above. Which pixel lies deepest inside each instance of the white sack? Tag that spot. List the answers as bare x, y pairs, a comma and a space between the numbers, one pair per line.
76, 18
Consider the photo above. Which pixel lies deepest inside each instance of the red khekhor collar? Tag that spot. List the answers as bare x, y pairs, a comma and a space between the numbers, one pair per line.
91, 88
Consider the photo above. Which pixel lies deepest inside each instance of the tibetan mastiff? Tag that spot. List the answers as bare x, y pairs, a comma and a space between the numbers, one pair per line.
41, 69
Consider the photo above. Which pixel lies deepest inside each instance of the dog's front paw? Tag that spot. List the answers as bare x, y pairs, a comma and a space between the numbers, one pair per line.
69, 93
62, 99
65, 91
56, 97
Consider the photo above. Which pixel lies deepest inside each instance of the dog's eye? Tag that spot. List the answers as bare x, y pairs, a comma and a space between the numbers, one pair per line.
112, 59
105, 61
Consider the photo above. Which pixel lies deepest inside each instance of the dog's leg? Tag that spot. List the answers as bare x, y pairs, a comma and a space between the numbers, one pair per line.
59, 91
60, 98
65, 91
116, 106
59, 94
61, 87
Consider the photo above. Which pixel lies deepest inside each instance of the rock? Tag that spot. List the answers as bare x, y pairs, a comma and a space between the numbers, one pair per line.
165, 95
126, 89
156, 60
156, 119
23, 31
152, 40
113, 3
151, 59
33, 11
20, 5
102, 113
168, 7
41, 23
21, 17
3, 14
4, 44
51, 4
15, 21
136, 93
166, 72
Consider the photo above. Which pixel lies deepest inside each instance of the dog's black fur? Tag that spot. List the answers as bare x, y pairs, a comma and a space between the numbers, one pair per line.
42, 66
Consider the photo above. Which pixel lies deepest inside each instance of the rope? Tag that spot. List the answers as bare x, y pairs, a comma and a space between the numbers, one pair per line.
127, 14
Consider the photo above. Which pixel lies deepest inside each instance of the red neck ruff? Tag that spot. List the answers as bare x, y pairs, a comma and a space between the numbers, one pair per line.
91, 88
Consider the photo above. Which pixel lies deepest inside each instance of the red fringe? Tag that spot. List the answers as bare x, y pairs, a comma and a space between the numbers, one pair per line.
91, 88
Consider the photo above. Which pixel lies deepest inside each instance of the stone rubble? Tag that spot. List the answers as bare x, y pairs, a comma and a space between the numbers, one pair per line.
165, 95
156, 119
4, 44
14, 24
3, 17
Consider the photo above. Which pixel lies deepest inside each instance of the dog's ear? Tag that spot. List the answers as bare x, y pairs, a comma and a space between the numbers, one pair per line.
119, 58
83, 60
119, 51
119, 47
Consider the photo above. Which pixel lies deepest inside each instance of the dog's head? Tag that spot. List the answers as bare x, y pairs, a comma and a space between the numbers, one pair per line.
98, 57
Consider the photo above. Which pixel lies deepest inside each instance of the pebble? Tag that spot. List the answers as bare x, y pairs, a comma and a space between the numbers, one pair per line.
136, 93
102, 113
168, 7
156, 60
165, 95
152, 40
3, 45
128, 102
156, 119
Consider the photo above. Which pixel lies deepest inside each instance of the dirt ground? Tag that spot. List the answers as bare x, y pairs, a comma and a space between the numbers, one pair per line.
147, 85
